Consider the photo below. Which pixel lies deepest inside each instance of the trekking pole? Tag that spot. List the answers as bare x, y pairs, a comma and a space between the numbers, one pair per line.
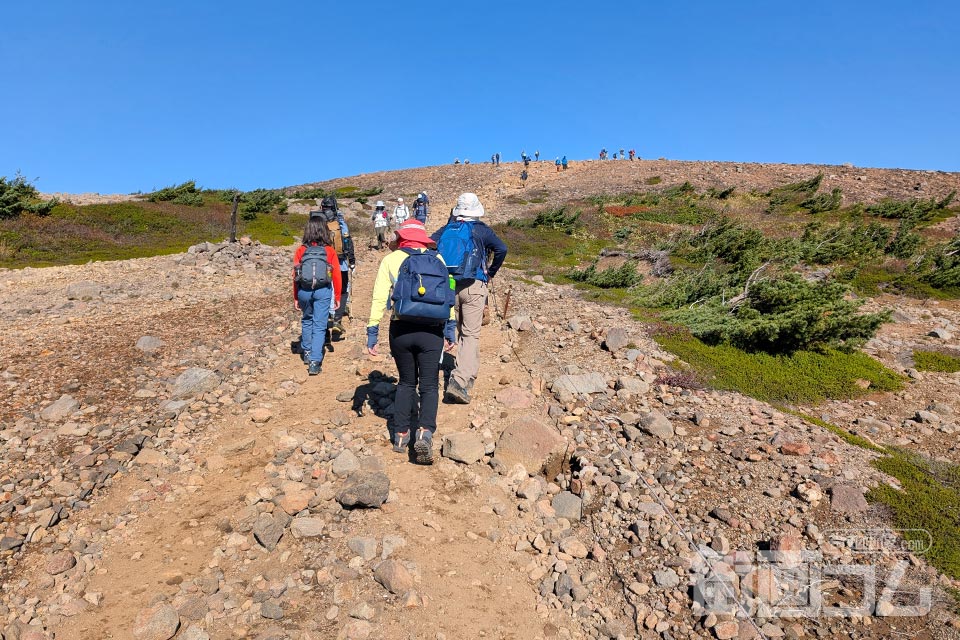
506, 304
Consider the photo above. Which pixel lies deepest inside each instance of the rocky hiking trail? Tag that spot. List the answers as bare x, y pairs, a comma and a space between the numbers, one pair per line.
200, 485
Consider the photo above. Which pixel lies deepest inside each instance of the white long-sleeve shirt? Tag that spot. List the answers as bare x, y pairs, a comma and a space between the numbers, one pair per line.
400, 214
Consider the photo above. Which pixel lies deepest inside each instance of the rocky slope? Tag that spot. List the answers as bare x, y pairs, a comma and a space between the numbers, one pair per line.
169, 471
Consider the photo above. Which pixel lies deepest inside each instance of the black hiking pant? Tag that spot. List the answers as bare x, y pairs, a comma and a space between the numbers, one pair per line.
344, 297
417, 350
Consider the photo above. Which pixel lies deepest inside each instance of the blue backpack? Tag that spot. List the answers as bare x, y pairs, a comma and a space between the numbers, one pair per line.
460, 251
422, 293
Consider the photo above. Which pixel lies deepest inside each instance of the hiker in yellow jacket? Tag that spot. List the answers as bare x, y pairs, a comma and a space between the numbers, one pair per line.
416, 348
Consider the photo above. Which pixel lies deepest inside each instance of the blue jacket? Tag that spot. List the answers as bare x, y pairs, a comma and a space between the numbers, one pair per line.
488, 242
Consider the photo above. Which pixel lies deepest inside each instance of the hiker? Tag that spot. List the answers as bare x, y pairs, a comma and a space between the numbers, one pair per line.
465, 245
456, 161
558, 164
633, 155
564, 163
536, 155
498, 158
348, 264
420, 207
316, 285
400, 213
493, 159
621, 154
381, 224
523, 178
523, 156
420, 291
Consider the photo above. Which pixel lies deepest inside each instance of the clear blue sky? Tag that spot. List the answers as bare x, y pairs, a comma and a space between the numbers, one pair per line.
121, 95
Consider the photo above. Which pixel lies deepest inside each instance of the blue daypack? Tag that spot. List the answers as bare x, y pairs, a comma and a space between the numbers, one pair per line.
460, 251
422, 293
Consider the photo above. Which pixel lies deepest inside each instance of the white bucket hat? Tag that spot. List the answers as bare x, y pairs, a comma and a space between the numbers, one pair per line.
468, 206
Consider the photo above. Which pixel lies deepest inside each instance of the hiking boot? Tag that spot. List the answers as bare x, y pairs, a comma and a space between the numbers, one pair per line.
336, 331
313, 369
401, 441
305, 356
423, 447
456, 394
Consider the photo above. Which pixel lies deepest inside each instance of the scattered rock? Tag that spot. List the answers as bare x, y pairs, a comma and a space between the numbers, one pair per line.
530, 442
365, 489
394, 577
568, 506
846, 498
150, 344
63, 407
194, 381
657, 424
616, 339
515, 398
159, 622
60, 562
465, 447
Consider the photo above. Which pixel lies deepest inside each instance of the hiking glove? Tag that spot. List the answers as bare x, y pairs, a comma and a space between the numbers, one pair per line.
450, 331
373, 335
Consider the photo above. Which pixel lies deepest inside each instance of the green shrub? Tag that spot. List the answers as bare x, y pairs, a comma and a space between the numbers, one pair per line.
622, 277
800, 377
189, 199
685, 287
823, 202
821, 244
653, 180
936, 361
906, 242
942, 269
557, 219
927, 507
784, 315
918, 209
20, 196
185, 191
790, 196
313, 193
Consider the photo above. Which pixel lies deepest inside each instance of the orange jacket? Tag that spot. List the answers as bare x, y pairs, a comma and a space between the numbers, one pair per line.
334, 270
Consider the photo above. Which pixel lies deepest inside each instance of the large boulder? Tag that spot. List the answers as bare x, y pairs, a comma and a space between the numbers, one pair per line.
531, 442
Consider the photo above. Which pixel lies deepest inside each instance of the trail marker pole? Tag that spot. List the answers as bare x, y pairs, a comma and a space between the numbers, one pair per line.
233, 217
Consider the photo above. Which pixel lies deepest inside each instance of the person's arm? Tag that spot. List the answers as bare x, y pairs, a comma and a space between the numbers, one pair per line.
378, 303
493, 243
335, 273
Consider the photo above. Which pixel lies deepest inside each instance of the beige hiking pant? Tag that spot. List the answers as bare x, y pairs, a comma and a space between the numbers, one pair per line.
471, 301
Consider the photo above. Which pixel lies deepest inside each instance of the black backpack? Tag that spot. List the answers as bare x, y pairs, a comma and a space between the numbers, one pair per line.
313, 272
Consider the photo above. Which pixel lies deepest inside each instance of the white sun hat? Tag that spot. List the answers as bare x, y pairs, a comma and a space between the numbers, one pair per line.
468, 206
